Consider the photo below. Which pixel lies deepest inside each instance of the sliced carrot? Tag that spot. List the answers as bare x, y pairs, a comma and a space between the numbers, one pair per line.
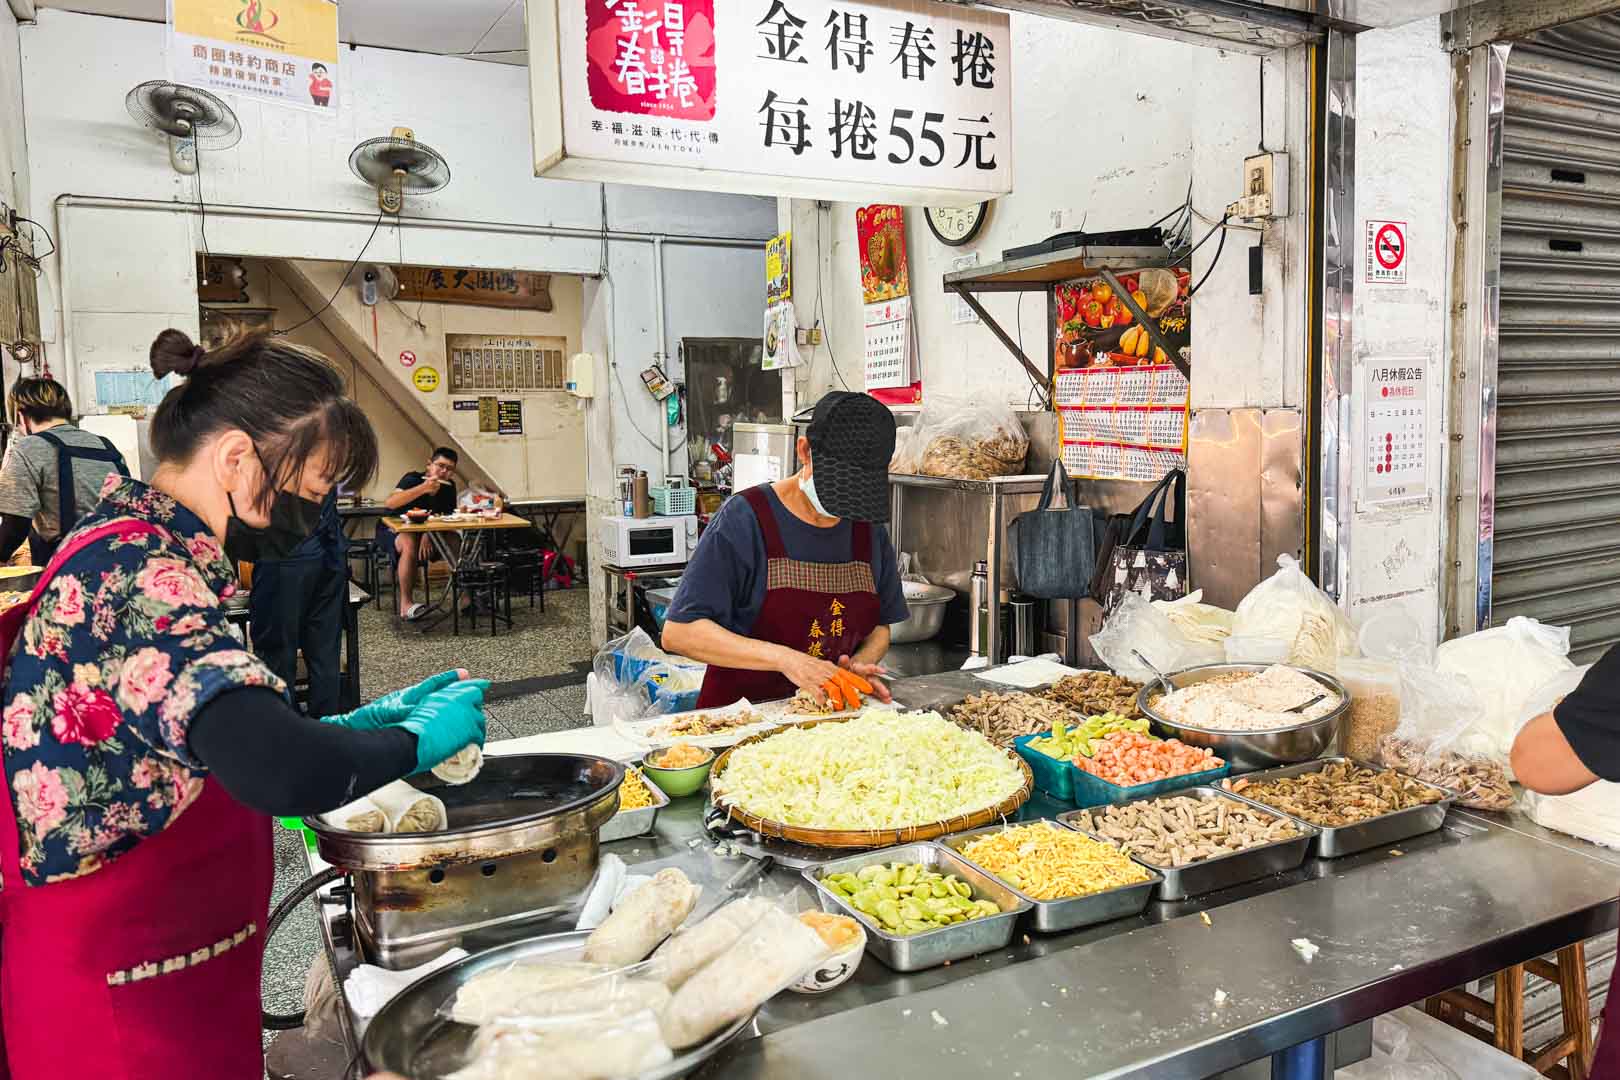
855, 680
834, 692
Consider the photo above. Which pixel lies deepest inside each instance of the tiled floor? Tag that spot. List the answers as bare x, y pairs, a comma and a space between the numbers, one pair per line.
393, 654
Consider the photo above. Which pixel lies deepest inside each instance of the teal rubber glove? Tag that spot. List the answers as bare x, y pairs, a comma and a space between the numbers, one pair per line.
446, 721
393, 707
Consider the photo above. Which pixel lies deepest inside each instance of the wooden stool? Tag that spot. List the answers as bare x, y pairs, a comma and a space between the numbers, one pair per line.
1503, 1019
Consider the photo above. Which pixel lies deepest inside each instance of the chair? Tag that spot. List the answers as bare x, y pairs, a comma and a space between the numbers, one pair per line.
370, 556
490, 582
1502, 1020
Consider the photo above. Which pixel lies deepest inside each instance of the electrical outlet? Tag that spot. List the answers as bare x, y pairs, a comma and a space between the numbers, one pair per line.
1265, 188
809, 335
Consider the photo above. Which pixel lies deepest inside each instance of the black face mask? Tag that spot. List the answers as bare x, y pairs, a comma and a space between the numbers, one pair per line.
292, 520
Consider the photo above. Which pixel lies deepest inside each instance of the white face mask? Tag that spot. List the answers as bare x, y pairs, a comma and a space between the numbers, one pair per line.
808, 486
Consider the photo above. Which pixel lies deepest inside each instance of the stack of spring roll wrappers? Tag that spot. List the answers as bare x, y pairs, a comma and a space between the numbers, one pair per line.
633, 999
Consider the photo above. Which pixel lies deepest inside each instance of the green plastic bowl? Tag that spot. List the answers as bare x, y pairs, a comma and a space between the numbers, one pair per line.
677, 783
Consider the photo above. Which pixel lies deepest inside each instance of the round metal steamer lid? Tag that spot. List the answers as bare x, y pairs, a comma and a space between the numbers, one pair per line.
517, 804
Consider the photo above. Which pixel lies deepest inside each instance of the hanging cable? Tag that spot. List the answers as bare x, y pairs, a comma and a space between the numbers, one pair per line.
399, 278
1263, 149
821, 292
202, 207
329, 300
1220, 247
34, 260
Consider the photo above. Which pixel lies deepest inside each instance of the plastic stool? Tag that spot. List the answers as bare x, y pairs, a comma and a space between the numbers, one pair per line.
1502, 1021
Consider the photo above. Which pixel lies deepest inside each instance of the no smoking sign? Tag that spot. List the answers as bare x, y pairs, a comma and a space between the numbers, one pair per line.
1385, 256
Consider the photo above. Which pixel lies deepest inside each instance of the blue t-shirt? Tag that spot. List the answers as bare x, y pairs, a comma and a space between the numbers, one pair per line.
725, 579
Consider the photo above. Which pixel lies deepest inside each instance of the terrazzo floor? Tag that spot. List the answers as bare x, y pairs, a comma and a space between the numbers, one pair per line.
538, 670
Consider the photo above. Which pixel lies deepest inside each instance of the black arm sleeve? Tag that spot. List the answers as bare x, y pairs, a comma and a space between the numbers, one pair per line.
1590, 717
13, 531
276, 760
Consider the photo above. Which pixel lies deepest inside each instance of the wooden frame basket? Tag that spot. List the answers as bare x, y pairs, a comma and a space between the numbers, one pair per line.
869, 838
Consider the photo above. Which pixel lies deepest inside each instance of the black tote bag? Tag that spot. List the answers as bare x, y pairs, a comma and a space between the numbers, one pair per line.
1147, 554
1057, 549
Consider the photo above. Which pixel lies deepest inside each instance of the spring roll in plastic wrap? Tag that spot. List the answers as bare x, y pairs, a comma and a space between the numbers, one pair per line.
645, 918
767, 958
679, 958
361, 815
524, 1050
408, 809
493, 994
461, 767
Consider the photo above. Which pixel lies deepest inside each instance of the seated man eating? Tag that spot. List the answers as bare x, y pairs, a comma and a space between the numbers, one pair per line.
432, 490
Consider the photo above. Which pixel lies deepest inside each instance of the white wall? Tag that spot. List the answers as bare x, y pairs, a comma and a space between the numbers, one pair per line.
1109, 129
1403, 162
13, 150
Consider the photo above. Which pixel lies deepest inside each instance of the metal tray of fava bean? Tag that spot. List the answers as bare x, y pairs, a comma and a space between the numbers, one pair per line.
521, 849
926, 948
411, 1035
1220, 871
1333, 841
1067, 912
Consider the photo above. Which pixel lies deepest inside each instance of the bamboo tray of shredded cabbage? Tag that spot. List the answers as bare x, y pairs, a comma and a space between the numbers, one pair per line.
873, 780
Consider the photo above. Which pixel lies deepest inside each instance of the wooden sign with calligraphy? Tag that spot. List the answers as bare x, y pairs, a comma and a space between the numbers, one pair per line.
487, 288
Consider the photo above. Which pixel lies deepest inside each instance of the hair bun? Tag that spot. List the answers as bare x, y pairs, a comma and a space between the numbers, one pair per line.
173, 352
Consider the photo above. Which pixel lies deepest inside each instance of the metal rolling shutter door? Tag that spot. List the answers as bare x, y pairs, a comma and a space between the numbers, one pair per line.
1557, 499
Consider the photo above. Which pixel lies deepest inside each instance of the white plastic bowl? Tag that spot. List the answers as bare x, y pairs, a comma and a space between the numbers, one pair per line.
833, 971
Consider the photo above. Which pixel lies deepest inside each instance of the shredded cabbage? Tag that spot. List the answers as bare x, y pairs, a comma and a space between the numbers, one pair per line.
879, 770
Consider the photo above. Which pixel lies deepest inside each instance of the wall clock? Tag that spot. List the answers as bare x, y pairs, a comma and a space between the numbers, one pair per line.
954, 226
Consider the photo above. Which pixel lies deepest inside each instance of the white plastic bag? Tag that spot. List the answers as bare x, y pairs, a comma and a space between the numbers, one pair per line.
1592, 813
1289, 607
1441, 739
967, 439
1502, 665
1136, 626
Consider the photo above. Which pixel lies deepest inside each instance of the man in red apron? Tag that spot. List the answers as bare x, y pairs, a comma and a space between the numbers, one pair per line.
796, 579
1575, 744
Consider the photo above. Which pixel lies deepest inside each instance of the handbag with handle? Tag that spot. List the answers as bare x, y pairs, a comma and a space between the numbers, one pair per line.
1057, 548
1147, 554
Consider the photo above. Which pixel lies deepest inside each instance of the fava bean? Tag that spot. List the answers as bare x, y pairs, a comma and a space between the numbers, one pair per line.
908, 898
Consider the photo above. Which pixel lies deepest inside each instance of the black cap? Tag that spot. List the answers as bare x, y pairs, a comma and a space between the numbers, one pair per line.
851, 442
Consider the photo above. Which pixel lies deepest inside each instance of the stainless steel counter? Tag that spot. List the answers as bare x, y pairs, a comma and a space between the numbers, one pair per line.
1137, 996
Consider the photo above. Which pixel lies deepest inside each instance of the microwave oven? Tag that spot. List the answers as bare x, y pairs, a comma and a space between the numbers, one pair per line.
649, 541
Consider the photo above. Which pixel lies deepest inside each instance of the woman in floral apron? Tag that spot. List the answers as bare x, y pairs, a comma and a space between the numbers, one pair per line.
794, 580
144, 747
1575, 744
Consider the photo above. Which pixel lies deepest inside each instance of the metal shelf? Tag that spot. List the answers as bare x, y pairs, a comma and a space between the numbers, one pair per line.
1038, 273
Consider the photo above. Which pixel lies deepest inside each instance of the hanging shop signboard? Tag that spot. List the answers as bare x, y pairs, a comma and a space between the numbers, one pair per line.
486, 288
835, 99
282, 51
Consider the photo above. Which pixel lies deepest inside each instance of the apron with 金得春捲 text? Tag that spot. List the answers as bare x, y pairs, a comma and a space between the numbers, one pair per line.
823, 609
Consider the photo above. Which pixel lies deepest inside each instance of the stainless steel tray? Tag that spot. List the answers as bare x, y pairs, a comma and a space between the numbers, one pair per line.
1221, 871
410, 1037
930, 948
1334, 841
640, 822
1054, 916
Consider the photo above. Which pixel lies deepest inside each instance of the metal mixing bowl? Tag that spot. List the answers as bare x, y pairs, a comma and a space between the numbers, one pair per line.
927, 606
1252, 749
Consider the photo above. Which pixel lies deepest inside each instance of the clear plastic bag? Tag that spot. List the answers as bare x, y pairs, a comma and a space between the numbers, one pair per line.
1503, 664
903, 461
1442, 739
635, 679
568, 1048
1289, 607
1375, 705
1136, 626
967, 439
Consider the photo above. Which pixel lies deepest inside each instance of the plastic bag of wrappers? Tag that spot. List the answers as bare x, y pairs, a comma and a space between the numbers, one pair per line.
632, 679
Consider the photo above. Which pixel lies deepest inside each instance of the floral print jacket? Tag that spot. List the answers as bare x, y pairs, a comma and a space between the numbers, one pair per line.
127, 644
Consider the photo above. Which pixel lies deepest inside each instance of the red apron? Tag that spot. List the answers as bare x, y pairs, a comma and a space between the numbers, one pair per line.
149, 968
1606, 1055
824, 609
